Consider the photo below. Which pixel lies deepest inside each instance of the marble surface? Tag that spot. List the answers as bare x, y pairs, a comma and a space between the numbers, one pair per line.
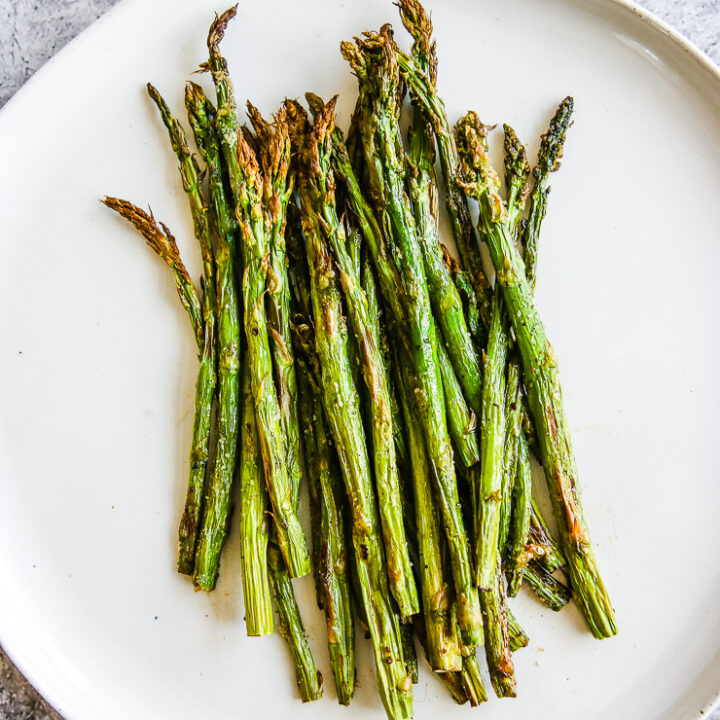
32, 31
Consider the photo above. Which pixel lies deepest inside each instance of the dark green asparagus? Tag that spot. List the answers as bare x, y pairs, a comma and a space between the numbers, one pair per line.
278, 309
191, 522
541, 378
440, 630
259, 188
216, 513
551, 149
290, 625
164, 245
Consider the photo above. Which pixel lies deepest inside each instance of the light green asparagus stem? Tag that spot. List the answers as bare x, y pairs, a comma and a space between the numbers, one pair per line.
492, 433
541, 380
259, 190
290, 625
254, 522
518, 638
191, 521
373, 60
552, 557
216, 514
164, 245
548, 589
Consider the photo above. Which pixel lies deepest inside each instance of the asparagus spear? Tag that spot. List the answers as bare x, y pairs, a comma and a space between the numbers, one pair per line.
551, 557
549, 590
440, 631
342, 408
317, 196
522, 511
290, 625
256, 186
423, 90
444, 296
551, 148
332, 571
216, 513
472, 680
541, 379
462, 421
373, 60
191, 522
278, 309
254, 524
163, 244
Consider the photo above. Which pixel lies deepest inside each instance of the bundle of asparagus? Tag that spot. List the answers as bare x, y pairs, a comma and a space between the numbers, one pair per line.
407, 389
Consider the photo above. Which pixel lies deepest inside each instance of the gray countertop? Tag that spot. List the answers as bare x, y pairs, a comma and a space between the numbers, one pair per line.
32, 31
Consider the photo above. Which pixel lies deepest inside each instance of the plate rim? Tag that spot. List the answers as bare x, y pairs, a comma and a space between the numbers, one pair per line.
651, 19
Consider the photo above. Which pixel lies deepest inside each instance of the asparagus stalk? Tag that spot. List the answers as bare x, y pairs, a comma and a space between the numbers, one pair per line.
191, 521
342, 408
420, 73
513, 433
254, 524
163, 244
316, 192
440, 631
541, 379
548, 589
522, 512
290, 625
517, 171
551, 557
256, 186
472, 680
551, 148
444, 296
278, 309
216, 514
332, 565
373, 60
462, 421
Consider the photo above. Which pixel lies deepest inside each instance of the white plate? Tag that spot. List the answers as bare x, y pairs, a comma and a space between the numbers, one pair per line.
97, 360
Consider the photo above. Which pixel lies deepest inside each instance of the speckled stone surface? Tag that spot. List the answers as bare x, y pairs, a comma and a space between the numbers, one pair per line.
33, 31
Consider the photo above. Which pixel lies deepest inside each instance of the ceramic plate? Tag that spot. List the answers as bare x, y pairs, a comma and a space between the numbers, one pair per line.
97, 361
